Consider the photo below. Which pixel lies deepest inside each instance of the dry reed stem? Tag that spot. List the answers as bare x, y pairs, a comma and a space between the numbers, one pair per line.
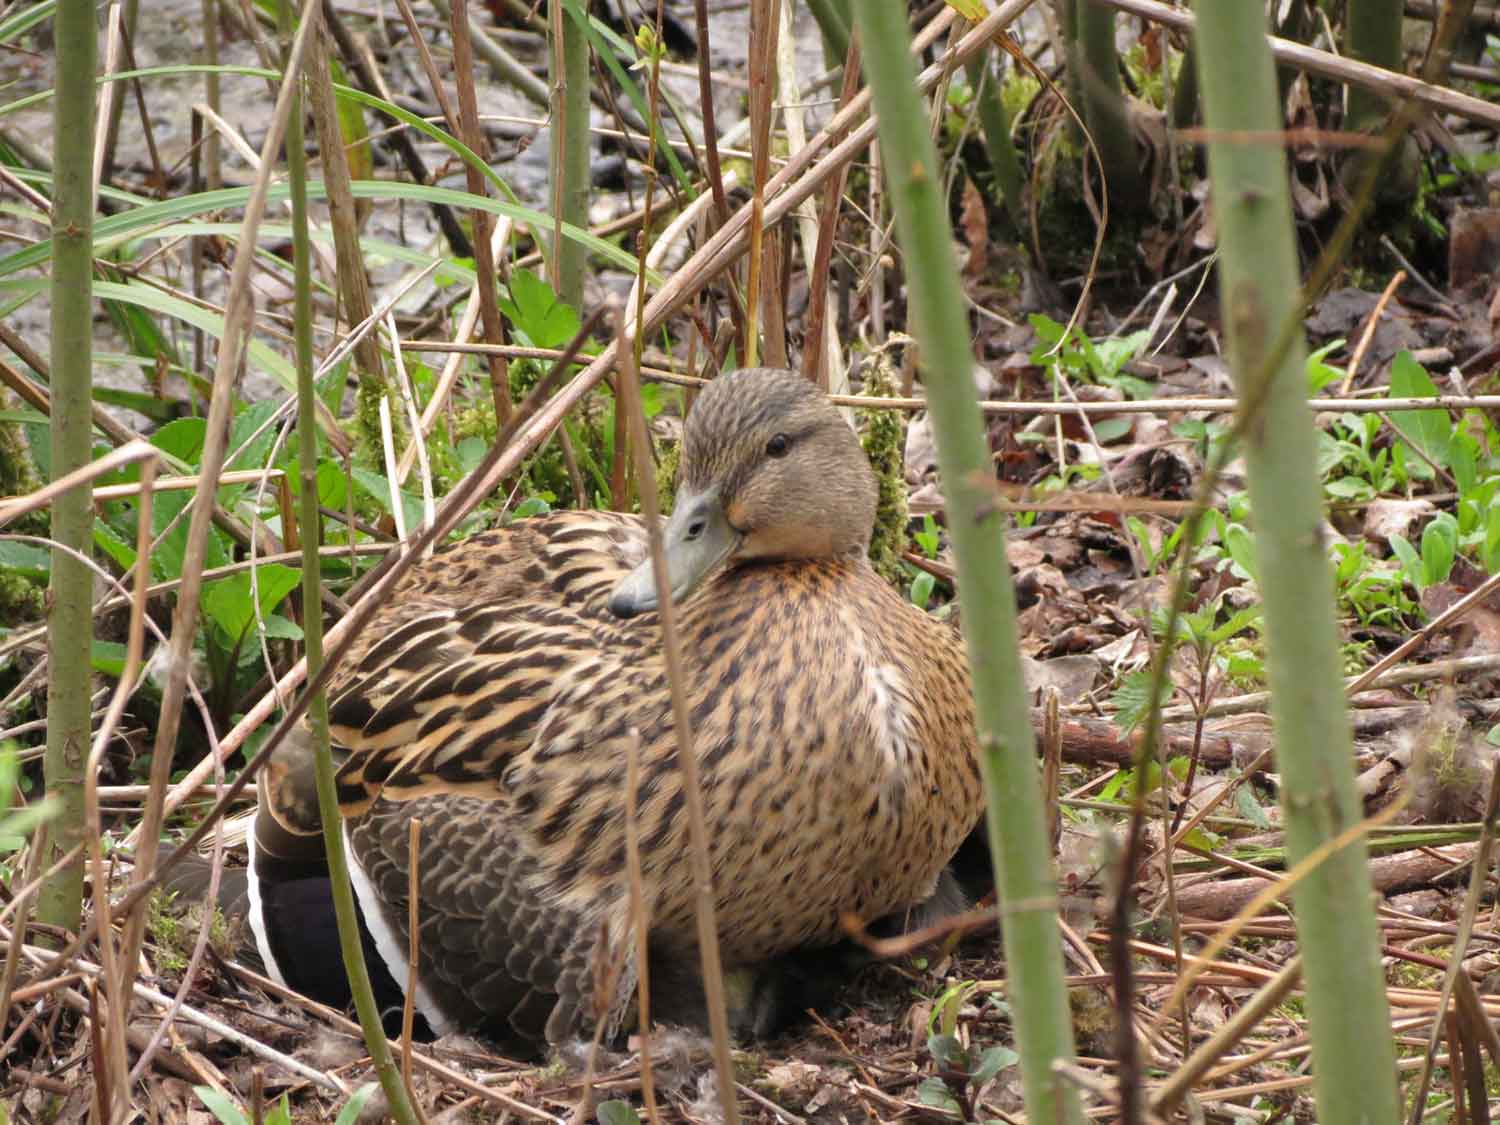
127, 454
413, 951
448, 378
1368, 335
119, 977
455, 506
238, 315
171, 484
687, 761
1478, 877
1438, 99
639, 922
200, 944
418, 439
484, 259
432, 1066
47, 961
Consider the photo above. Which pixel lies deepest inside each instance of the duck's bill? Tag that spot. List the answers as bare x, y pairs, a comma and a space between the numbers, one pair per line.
696, 539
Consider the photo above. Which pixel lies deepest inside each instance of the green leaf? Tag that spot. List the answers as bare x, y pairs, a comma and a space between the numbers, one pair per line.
230, 604
1132, 698
1490, 553
532, 506
25, 558
921, 589
539, 316
107, 657
992, 1062
1411, 564
947, 1051
280, 628
1250, 808
221, 1106
166, 560
1439, 548
1319, 373
182, 439
617, 1112
1431, 431
355, 1105
113, 544
378, 488
1241, 547
935, 1092
1112, 429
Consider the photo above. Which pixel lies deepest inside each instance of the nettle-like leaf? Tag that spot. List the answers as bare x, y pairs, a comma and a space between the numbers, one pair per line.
540, 318
230, 603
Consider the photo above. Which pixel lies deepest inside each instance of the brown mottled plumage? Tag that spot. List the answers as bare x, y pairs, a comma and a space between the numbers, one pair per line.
498, 698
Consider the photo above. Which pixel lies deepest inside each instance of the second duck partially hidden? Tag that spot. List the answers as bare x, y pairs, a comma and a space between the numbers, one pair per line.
500, 694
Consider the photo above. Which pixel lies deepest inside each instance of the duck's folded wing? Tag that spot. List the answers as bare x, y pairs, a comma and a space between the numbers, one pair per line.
495, 953
468, 662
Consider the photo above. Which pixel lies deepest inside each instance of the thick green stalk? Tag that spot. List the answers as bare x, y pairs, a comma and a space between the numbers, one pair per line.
569, 158
70, 623
1372, 34
833, 22
312, 617
1017, 819
1094, 72
1353, 1057
994, 124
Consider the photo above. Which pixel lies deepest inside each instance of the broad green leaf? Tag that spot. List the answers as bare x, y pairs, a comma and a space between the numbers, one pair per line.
992, 1062
182, 439
539, 316
107, 657
279, 628
1431, 431
167, 558
230, 602
617, 1112
1490, 552
935, 1092
113, 544
25, 558
1241, 548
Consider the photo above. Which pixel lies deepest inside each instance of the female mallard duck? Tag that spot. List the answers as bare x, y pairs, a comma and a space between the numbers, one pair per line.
501, 692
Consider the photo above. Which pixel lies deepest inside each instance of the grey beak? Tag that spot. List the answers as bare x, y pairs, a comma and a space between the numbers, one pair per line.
697, 538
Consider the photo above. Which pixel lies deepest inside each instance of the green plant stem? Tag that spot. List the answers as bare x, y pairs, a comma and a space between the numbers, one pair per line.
569, 156
1094, 71
1353, 1056
1373, 35
70, 623
833, 23
312, 618
994, 124
1017, 820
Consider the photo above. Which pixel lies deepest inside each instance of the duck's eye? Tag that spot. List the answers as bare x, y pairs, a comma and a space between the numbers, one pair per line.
778, 446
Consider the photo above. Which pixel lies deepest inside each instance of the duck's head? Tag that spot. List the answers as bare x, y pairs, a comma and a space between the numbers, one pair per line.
770, 470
